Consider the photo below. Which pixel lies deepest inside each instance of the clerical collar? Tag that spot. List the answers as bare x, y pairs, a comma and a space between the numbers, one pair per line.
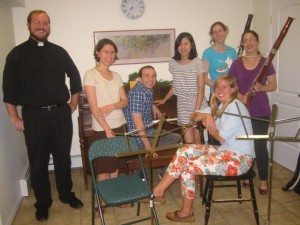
37, 43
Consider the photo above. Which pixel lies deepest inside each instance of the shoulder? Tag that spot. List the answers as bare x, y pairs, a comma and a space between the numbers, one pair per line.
235, 106
172, 61
90, 72
208, 50
116, 74
231, 51
196, 60
57, 48
237, 61
90, 75
19, 50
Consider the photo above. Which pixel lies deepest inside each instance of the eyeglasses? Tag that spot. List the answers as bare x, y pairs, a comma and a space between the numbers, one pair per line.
39, 23
109, 52
251, 40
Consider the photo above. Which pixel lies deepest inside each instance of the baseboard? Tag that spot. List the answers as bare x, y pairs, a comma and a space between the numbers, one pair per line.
76, 162
25, 183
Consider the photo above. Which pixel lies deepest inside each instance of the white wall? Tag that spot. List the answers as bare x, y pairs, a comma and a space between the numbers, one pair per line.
13, 155
73, 23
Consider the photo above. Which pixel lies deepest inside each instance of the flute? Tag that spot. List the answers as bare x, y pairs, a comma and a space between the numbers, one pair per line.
268, 61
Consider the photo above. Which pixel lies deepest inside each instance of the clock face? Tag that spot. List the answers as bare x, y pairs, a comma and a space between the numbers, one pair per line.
133, 8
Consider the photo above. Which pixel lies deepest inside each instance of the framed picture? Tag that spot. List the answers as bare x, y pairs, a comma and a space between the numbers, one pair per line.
141, 46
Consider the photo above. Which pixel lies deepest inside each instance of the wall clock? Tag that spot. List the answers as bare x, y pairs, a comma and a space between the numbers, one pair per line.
133, 9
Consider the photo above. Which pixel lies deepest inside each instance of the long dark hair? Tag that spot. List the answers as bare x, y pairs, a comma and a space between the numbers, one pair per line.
193, 54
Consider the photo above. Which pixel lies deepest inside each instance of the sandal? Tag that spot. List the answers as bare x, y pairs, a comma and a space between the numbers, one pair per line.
97, 213
124, 205
173, 216
246, 184
262, 191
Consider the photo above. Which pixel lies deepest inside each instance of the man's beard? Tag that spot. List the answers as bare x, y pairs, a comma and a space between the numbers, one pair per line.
38, 37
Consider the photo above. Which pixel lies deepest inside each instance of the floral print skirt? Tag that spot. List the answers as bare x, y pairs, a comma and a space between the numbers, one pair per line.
192, 159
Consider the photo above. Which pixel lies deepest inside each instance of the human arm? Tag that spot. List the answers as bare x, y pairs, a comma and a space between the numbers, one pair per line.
107, 109
166, 98
201, 88
156, 112
206, 119
208, 81
74, 101
137, 119
15, 119
92, 99
270, 86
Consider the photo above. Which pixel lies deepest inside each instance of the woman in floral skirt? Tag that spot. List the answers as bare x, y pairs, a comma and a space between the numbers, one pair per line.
233, 157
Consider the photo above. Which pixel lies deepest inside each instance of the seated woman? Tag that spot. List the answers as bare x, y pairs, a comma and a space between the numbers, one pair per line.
233, 157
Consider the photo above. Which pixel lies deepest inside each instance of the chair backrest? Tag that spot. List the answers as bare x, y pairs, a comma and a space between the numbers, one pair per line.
110, 147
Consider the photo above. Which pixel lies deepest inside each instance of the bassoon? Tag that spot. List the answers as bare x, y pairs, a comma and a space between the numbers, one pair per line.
268, 61
247, 27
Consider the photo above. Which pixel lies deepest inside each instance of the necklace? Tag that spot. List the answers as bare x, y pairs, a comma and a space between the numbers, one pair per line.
251, 56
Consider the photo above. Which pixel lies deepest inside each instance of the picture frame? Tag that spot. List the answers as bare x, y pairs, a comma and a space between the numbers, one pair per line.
141, 46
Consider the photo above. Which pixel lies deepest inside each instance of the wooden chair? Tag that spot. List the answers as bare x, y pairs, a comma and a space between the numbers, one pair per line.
210, 185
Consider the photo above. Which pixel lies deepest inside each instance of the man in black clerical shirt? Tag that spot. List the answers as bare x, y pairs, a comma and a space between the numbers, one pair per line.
34, 78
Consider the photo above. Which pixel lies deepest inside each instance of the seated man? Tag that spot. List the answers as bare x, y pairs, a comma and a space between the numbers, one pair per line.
140, 110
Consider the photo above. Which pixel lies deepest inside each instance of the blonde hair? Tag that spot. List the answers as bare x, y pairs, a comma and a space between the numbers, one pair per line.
214, 102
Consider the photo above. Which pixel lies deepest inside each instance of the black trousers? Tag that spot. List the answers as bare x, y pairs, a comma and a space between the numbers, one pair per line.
49, 132
260, 147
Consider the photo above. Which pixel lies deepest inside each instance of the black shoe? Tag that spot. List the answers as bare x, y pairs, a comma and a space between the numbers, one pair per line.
73, 202
41, 213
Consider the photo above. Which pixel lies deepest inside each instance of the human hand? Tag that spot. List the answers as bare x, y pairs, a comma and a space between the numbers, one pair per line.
154, 155
110, 134
244, 98
18, 124
210, 124
156, 112
258, 87
73, 107
196, 116
105, 110
159, 102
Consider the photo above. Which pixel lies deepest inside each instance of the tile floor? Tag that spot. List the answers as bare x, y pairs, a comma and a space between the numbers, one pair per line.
285, 206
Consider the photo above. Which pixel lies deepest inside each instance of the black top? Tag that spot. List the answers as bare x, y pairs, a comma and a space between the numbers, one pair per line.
35, 75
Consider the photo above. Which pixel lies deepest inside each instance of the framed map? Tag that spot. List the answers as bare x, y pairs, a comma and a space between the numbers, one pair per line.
141, 46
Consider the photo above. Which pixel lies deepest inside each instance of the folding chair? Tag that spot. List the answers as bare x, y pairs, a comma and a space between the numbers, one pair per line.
123, 189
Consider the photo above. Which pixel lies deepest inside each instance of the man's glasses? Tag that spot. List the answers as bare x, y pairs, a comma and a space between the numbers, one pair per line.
39, 23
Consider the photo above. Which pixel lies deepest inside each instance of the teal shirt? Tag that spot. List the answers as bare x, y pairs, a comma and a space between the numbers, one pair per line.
219, 63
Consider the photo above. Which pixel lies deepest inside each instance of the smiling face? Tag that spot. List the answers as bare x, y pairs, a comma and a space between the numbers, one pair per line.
218, 34
224, 91
106, 55
250, 43
39, 26
148, 78
185, 47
